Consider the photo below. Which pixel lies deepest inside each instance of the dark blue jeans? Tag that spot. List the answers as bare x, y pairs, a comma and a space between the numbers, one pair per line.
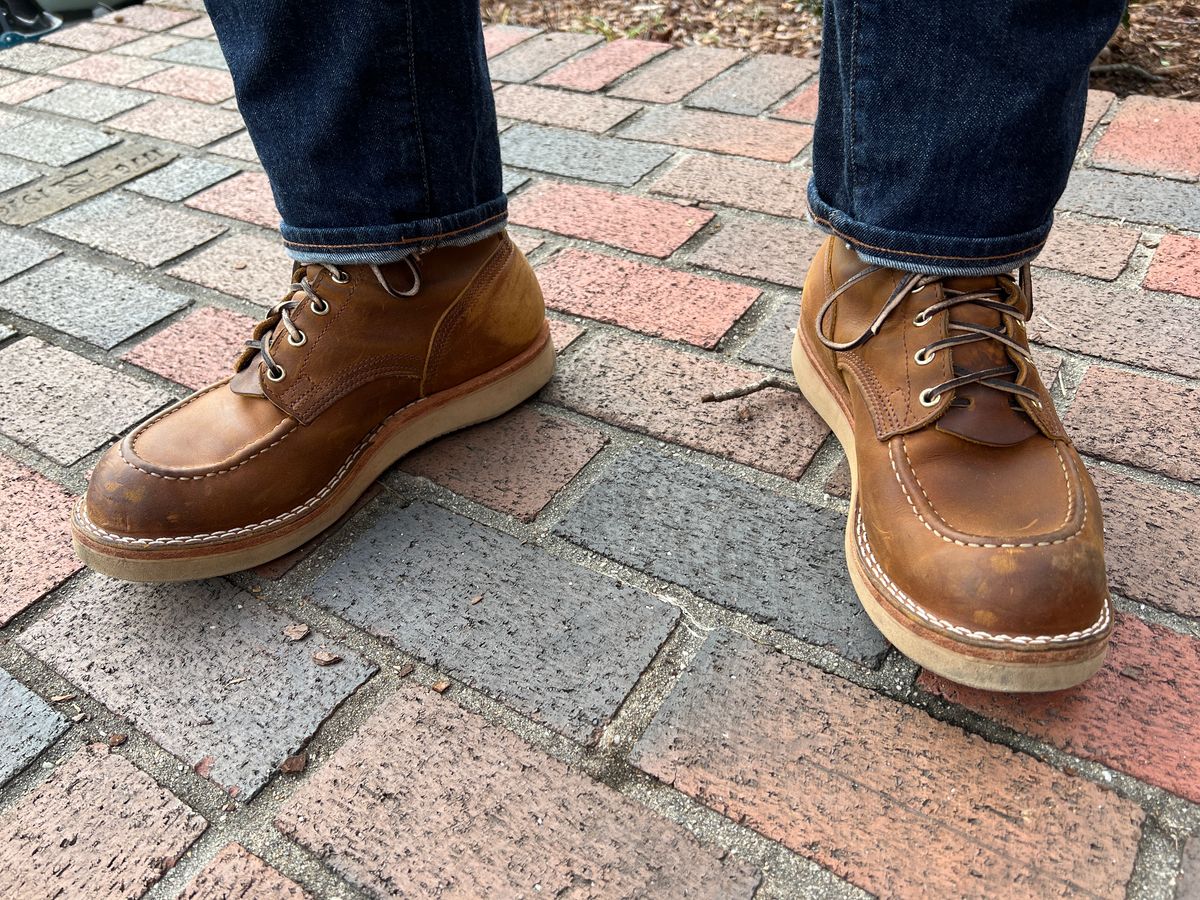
945, 133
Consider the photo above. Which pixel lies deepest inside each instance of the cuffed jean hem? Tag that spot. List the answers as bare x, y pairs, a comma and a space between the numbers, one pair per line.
925, 253
381, 244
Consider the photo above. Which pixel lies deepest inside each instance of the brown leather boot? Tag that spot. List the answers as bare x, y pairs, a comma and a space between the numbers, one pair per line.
975, 538
355, 368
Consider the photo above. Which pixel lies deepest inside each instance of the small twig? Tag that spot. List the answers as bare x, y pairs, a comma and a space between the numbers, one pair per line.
734, 393
1130, 68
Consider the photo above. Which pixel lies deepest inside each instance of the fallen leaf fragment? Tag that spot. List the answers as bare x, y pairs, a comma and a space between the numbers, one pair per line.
296, 632
294, 764
441, 686
325, 658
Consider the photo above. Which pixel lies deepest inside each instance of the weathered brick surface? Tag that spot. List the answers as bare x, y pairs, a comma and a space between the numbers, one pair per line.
598, 68
1098, 103
771, 344
64, 406
742, 183
92, 36
428, 799
240, 146
1137, 420
51, 142
720, 132
27, 726
150, 233
779, 252
1116, 323
1153, 136
651, 299
1101, 251
677, 74
149, 18
190, 83
748, 89
181, 178
195, 53
246, 197
149, 45
1188, 885
802, 107
197, 350
18, 253
653, 227
564, 109
563, 333
576, 155
241, 265
88, 101
773, 558
197, 28
13, 174
882, 794
657, 391
117, 307
1155, 201
1135, 715
558, 643
534, 55
515, 464
28, 88
498, 38
1176, 266
181, 121
252, 697
512, 180
38, 57
110, 69
237, 874
97, 827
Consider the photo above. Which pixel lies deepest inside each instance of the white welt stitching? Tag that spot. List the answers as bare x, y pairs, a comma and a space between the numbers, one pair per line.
908, 603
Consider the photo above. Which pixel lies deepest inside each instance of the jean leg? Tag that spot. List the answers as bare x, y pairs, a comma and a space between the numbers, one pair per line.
373, 120
946, 129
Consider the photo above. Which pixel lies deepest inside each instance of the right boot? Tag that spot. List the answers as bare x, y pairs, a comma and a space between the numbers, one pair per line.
356, 367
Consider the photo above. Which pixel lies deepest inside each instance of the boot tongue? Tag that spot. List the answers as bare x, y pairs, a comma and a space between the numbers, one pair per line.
991, 418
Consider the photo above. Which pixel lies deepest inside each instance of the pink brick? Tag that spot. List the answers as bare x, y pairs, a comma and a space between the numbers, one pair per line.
246, 197
179, 120
428, 799
28, 88
652, 227
240, 146
674, 76
149, 45
498, 38
802, 107
720, 132
195, 351
563, 334
515, 464
241, 265
1134, 715
92, 36
547, 106
885, 796
97, 827
110, 69
778, 252
198, 28
149, 18
741, 183
198, 83
1098, 103
525, 242
236, 873
1153, 136
653, 390
651, 299
1101, 251
1176, 266
604, 65
35, 537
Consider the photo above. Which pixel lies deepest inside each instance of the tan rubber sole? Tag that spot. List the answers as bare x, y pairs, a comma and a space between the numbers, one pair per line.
960, 661
475, 401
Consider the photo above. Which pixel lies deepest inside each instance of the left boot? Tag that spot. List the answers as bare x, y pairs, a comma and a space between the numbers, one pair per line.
975, 540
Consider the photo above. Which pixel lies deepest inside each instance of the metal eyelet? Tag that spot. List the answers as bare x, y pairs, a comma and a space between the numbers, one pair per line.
339, 278
271, 376
922, 319
321, 310
1036, 403
300, 343
927, 400
922, 357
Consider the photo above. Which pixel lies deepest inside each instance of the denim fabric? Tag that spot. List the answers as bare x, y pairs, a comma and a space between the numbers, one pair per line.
373, 119
946, 128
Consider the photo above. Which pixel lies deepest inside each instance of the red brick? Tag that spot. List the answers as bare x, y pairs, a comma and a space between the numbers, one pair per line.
110, 69
720, 132
563, 333
651, 299
1134, 715
1098, 103
97, 827
534, 56
515, 464
677, 74
1101, 251
195, 351
1153, 136
246, 197
604, 65
428, 799
653, 227
656, 391
1176, 266
802, 107
28, 88
149, 18
179, 120
1150, 536
198, 83
565, 109
1140, 421
149, 45
894, 801
779, 252
241, 265
92, 36
498, 38
740, 183
235, 872
35, 537
838, 482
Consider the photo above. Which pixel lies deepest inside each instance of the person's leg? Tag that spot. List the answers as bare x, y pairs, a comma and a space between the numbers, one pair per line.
945, 135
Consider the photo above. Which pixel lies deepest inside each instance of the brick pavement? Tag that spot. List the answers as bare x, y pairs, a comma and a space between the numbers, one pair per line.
645, 672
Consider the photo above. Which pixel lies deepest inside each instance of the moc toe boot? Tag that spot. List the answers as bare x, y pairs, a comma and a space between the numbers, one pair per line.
975, 540
357, 366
